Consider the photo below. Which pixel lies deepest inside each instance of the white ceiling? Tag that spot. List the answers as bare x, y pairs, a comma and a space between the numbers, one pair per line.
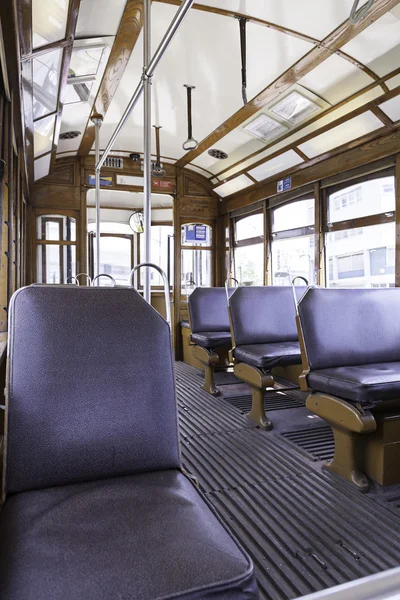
206, 53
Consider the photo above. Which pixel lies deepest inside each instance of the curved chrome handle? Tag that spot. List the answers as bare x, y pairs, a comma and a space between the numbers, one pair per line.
105, 275
294, 291
357, 15
227, 285
88, 279
166, 286
73, 277
187, 282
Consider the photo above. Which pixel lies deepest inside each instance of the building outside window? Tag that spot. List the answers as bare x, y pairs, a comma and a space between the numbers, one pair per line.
361, 252
249, 249
293, 242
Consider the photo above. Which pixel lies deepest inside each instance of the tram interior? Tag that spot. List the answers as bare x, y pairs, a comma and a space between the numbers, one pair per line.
200, 299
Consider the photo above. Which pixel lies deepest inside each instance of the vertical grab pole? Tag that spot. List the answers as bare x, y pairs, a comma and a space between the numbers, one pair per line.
147, 146
97, 121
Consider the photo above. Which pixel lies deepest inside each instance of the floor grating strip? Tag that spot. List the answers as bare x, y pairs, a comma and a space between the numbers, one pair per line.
304, 529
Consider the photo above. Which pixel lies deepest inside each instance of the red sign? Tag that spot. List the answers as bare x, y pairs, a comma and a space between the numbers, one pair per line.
163, 184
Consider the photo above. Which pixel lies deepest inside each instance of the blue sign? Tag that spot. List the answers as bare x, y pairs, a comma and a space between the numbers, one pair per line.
195, 233
284, 184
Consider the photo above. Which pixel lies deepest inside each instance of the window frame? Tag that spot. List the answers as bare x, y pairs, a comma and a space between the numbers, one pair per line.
358, 222
284, 234
44, 212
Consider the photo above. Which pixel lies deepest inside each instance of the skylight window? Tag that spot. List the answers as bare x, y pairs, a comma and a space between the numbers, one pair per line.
295, 108
265, 128
85, 61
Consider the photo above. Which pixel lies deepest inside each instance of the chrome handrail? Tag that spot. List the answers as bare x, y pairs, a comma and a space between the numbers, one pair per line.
73, 277
88, 279
105, 275
187, 281
166, 286
227, 285
294, 290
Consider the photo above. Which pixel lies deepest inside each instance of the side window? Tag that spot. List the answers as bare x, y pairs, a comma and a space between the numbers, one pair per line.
55, 248
162, 253
293, 242
249, 249
360, 240
196, 256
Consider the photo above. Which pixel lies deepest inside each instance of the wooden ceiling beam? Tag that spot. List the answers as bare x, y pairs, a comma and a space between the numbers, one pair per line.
332, 43
372, 106
270, 25
125, 41
381, 82
66, 61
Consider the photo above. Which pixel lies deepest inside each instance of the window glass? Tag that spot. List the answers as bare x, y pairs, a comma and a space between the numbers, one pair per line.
55, 263
196, 234
46, 79
56, 228
249, 227
249, 264
362, 257
362, 199
49, 21
293, 257
160, 234
293, 215
196, 267
115, 258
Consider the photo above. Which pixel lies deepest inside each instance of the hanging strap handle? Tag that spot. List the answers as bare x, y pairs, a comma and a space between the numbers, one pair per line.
191, 143
357, 15
243, 51
157, 170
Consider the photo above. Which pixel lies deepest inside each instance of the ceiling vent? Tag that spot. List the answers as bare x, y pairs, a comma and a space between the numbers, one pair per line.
69, 135
219, 154
265, 128
114, 163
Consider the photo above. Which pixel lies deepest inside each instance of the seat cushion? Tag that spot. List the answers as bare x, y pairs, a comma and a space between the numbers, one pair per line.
212, 339
266, 356
364, 384
139, 537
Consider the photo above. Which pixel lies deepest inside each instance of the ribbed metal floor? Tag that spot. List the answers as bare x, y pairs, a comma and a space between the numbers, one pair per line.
318, 442
304, 529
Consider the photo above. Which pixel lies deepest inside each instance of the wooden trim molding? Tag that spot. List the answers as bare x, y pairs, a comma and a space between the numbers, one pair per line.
128, 33
368, 151
372, 106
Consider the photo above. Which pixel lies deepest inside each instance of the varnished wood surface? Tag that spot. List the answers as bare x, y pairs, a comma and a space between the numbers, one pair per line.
371, 86
128, 33
372, 106
66, 60
333, 42
367, 152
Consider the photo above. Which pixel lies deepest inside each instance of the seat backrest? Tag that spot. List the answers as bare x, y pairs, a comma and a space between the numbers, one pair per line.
262, 315
208, 309
350, 326
91, 387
